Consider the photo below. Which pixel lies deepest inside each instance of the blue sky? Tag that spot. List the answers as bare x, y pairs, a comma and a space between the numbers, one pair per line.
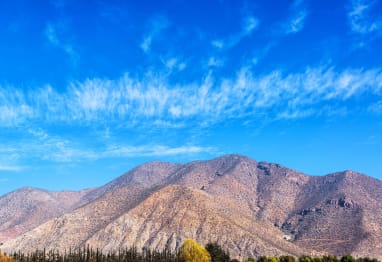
90, 89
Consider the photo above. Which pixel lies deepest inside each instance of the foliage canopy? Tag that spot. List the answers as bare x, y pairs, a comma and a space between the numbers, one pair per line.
191, 251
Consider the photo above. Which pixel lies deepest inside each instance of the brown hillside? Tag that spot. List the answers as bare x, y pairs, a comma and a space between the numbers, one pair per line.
251, 208
26, 208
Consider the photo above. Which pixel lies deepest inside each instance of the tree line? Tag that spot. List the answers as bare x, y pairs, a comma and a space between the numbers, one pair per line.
190, 251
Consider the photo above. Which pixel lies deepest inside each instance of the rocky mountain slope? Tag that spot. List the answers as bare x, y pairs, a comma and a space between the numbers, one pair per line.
26, 208
251, 208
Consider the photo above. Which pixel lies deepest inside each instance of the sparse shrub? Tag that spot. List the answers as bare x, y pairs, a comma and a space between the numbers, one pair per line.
250, 259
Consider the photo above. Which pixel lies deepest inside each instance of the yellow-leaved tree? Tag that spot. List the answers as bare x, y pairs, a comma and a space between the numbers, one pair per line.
191, 251
4, 258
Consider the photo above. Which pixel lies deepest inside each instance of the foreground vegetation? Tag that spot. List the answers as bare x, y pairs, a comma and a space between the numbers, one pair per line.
190, 251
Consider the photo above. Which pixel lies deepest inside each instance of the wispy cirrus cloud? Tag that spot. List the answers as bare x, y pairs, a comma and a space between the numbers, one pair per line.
51, 34
153, 150
376, 107
215, 62
297, 18
249, 25
41, 145
13, 106
360, 17
157, 25
9, 159
155, 99
10, 168
173, 64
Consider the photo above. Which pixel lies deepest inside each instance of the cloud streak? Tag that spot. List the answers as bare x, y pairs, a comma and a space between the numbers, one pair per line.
153, 98
298, 16
249, 25
51, 35
42, 146
376, 107
157, 25
153, 150
361, 20
9, 169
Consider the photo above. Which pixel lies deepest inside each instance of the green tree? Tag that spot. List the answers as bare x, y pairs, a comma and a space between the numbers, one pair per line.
191, 251
347, 258
367, 259
250, 259
287, 259
273, 259
217, 253
262, 259
304, 258
329, 258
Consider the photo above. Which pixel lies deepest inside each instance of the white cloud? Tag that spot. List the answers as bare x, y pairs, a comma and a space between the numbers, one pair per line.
9, 158
51, 35
157, 25
152, 150
153, 98
42, 146
361, 20
38, 144
173, 64
182, 66
376, 107
297, 18
249, 24
146, 43
14, 106
215, 62
218, 44
10, 168
296, 24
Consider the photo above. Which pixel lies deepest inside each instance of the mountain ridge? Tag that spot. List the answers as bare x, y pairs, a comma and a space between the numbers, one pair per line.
295, 213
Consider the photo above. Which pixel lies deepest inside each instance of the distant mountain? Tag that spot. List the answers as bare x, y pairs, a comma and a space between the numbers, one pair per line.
251, 208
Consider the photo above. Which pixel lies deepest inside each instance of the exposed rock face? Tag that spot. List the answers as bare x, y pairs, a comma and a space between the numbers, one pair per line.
252, 208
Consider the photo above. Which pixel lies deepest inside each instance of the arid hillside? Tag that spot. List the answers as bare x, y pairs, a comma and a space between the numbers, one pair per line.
251, 208
26, 208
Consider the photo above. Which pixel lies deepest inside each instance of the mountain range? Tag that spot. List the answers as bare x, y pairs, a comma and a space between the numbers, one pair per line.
250, 208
